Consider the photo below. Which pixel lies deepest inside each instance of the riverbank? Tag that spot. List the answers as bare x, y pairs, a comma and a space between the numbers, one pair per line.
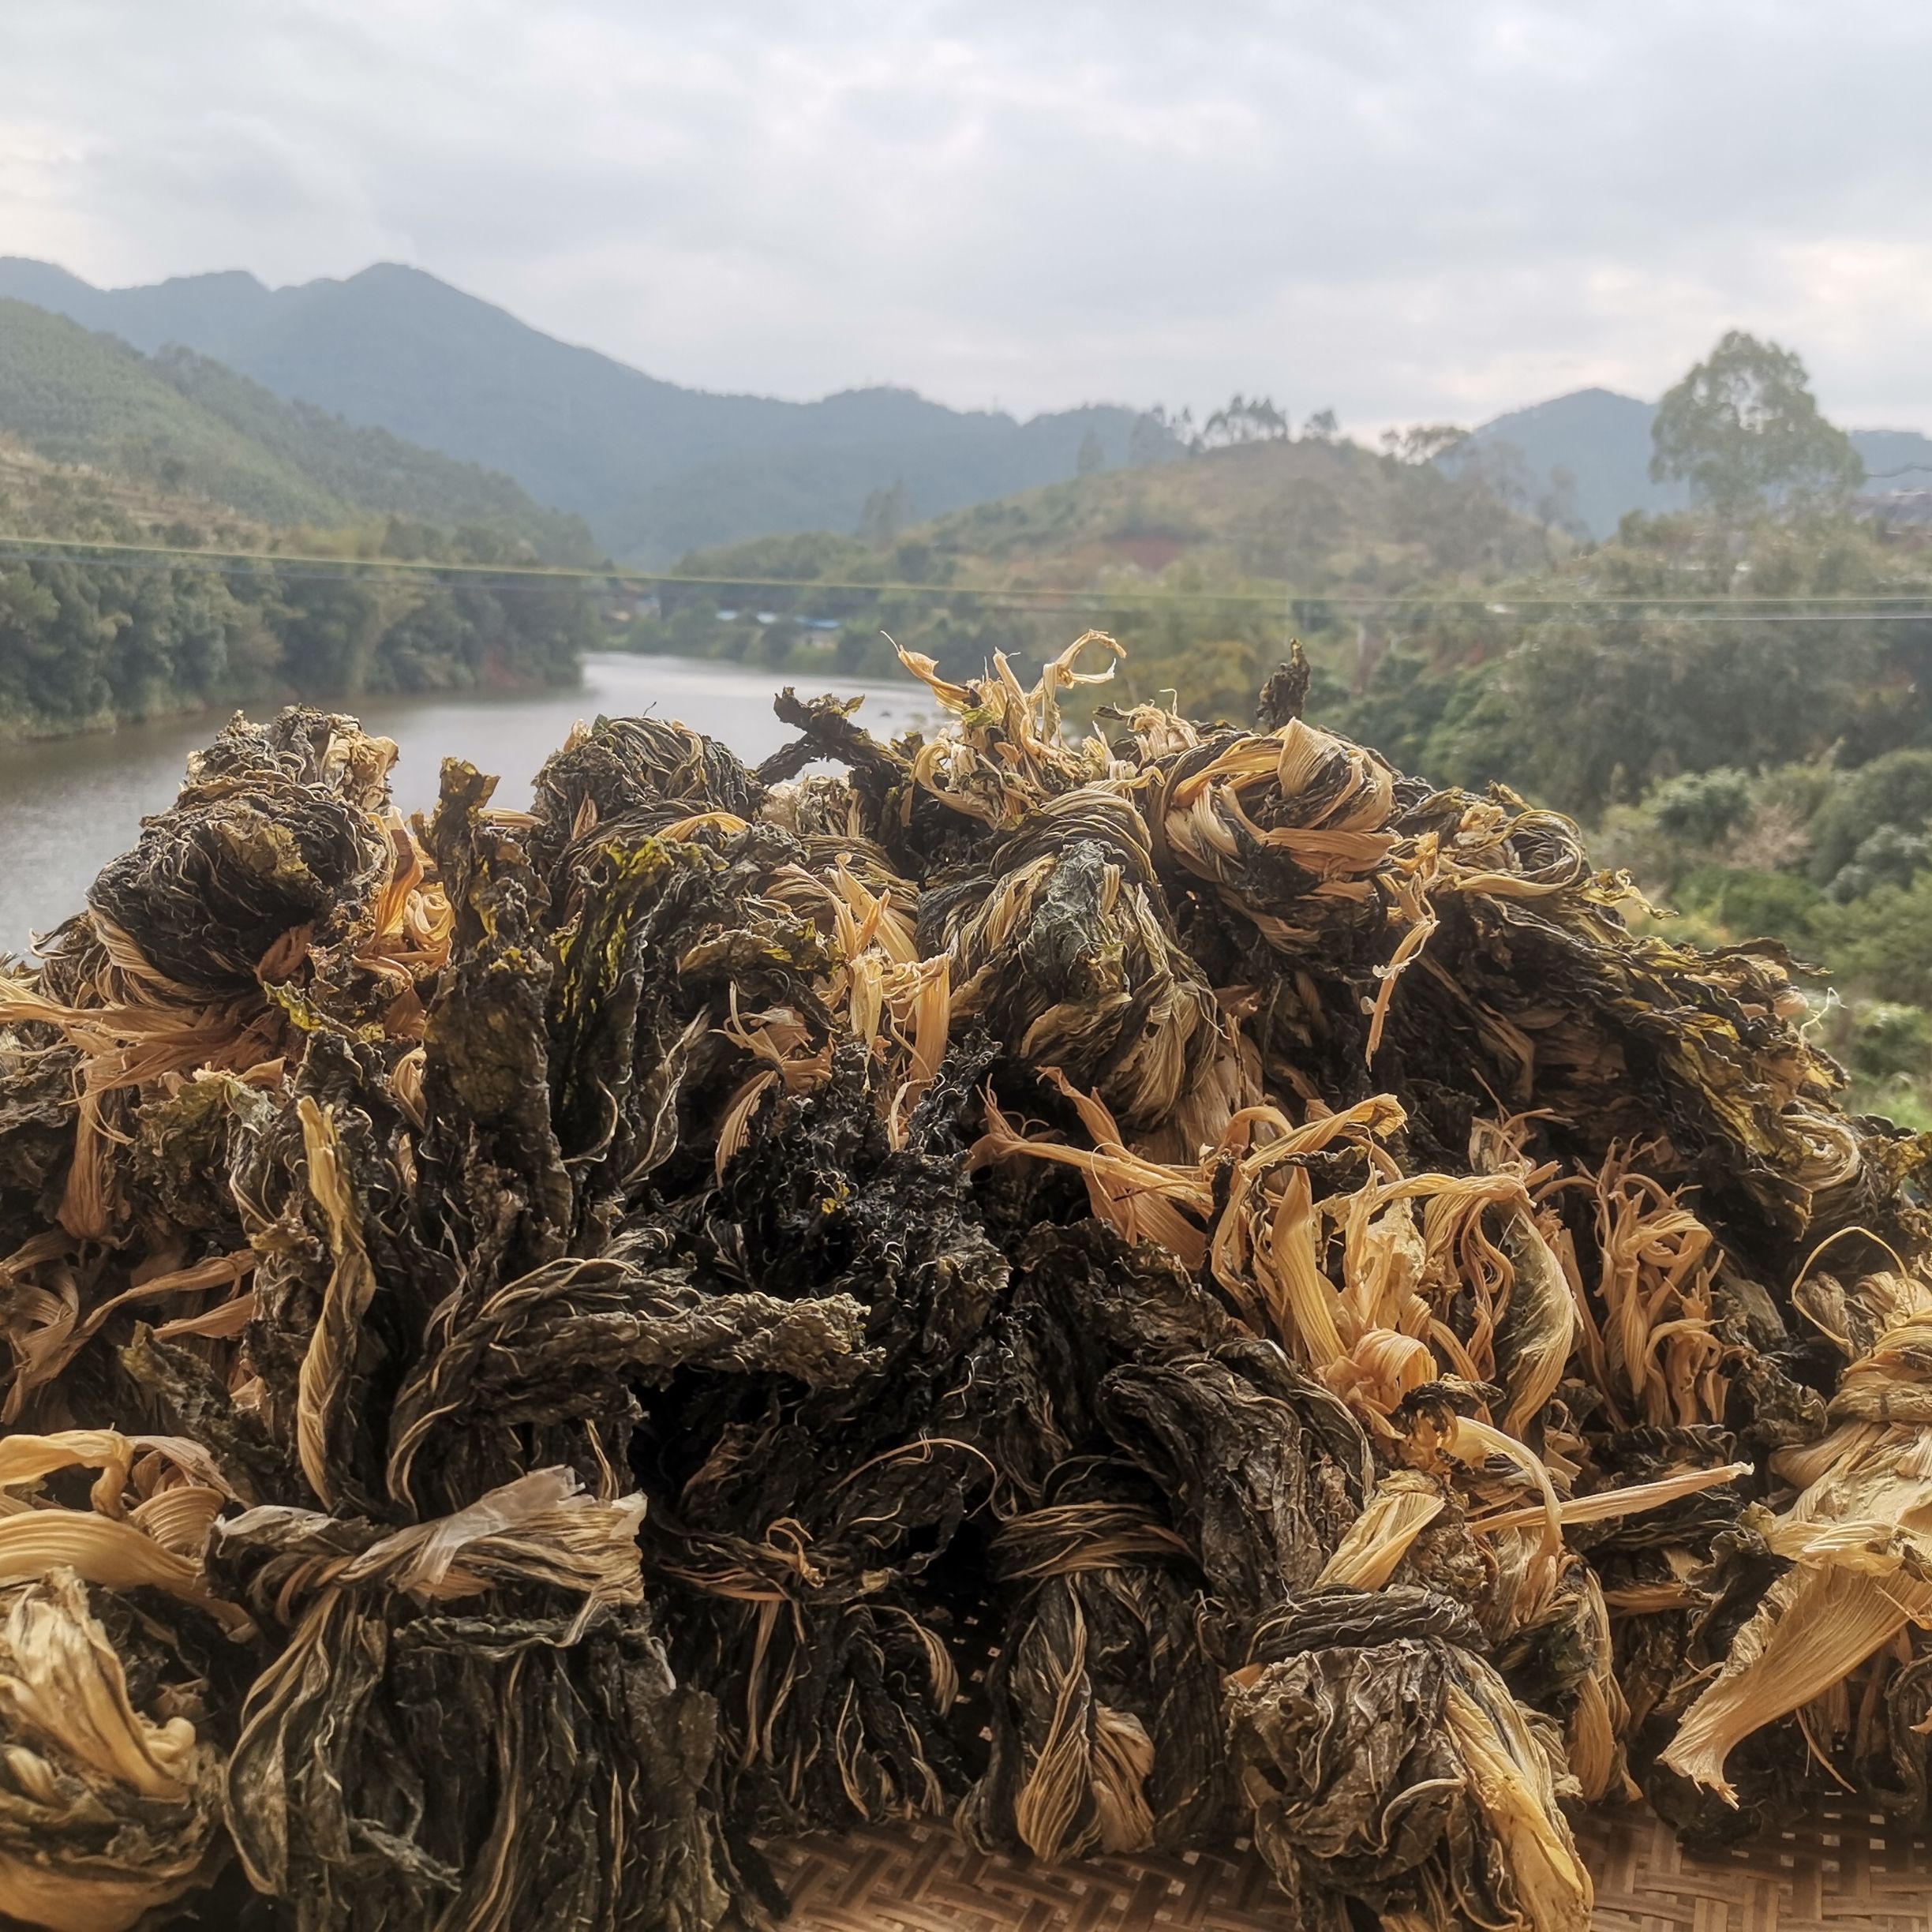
92, 645
211, 713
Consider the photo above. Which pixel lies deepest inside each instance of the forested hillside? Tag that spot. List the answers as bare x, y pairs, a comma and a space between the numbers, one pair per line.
1198, 565
1312, 512
91, 640
1671, 666
188, 426
75, 502
655, 469
87, 644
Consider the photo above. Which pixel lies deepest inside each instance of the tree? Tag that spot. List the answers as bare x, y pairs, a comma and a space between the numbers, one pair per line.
886, 513
1743, 426
1322, 427
1092, 457
1152, 439
1421, 443
1244, 420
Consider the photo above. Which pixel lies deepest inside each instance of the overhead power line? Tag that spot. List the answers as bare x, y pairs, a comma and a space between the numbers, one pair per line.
1711, 607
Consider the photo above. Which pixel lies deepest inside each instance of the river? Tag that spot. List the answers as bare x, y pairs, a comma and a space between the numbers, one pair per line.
69, 806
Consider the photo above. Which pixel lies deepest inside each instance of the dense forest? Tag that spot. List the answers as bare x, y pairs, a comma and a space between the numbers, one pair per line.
87, 644
91, 640
1199, 566
103, 445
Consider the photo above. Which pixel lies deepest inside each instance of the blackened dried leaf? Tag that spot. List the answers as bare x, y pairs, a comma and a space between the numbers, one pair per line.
1123, 1294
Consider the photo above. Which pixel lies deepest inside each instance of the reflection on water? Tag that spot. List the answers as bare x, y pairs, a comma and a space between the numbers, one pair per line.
68, 806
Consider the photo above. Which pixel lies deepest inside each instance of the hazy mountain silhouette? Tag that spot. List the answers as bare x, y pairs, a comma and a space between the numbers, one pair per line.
657, 469
654, 468
1586, 457
182, 422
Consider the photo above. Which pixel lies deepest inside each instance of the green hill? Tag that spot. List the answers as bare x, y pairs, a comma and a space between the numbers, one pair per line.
197, 431
1315, 515
656, 468
99, 444
78, 503
1192, 564
1310, 515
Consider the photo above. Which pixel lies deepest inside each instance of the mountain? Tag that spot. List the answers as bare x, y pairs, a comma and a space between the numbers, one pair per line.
188, 425
1584, 458
1897, 461
654, 468
1322, 516
1200, 568
1588, 454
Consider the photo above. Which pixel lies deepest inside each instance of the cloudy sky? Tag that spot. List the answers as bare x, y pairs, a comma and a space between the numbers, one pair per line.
1403, 209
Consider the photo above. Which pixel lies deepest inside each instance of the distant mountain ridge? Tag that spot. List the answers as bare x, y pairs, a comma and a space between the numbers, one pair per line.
181, 422
1586, 456
655, 469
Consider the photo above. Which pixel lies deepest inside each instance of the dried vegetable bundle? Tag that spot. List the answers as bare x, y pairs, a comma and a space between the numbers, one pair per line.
1127, 1292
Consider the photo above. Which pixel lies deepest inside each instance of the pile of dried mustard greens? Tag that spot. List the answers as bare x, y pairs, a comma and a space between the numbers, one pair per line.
1129, 1291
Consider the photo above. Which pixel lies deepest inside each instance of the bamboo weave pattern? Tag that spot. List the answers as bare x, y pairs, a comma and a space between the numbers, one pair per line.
1848, 1870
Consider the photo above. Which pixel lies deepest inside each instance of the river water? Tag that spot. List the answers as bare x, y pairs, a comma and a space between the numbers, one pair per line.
68, 806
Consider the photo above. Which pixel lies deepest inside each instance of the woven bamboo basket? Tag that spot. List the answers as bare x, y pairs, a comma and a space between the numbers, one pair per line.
1846, 1870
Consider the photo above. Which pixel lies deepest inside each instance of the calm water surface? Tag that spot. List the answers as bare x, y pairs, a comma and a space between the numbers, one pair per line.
67, 807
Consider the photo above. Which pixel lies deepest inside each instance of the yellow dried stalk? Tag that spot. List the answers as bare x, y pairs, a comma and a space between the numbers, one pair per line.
1816, 1625
1472, 1442
404, 941
1510, 1777
892, 998
1605, 1505
1860, 1534
1090, 1535
1137, 981
1656, 1264
1141, 1198
1006, 750
1268, 1242
228, 1270
321, 1382
25, 1458
135, 1041
1267, 1252
735, 1124
1594, 1736
1305, 792
1345, 835
116, 1555
78, 1753
167, 1488
1403, 1506
542, 1528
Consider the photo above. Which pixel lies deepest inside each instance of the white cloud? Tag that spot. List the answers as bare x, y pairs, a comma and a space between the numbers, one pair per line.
1401, 209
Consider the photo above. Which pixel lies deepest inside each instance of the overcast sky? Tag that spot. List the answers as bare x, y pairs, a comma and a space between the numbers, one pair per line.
1403, 209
